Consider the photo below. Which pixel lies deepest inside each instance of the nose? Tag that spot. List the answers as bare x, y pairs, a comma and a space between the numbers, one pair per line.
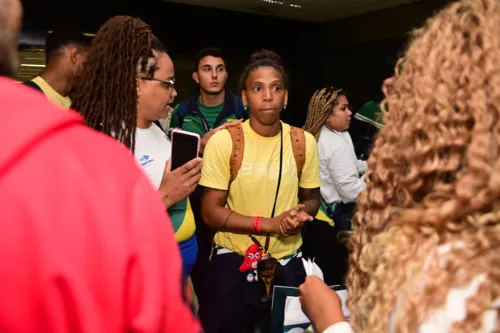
214, 74
174, 93
349, 112
268, 95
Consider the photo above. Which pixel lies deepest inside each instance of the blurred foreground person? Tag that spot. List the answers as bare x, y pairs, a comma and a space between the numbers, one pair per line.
427, 232
84, 246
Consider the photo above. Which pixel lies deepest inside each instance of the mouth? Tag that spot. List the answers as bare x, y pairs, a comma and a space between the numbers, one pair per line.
268, 110
214, 84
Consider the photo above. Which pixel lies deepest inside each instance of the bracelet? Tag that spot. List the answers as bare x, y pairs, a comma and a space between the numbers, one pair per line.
227, 220
256, 224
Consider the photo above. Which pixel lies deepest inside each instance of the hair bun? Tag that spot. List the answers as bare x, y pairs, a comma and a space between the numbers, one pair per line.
265, 54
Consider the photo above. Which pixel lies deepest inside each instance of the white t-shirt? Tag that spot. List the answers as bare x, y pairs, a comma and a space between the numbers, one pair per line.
152, 151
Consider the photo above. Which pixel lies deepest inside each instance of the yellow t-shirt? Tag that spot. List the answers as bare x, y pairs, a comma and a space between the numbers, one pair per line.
51, 93
253, 191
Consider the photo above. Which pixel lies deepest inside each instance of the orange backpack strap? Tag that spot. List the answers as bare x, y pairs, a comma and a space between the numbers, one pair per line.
299, 148
236, 159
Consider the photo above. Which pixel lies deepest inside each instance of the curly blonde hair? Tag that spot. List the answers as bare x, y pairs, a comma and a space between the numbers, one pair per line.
433, 179
320, 107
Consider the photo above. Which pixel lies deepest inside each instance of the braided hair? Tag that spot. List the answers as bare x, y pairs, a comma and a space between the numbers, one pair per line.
320, 108
106, 94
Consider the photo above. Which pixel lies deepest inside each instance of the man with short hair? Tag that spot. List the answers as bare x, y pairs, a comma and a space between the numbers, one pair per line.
214, 104
65, 54
203, 113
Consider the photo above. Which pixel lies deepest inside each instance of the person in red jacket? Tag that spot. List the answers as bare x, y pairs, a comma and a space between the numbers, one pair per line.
84, 246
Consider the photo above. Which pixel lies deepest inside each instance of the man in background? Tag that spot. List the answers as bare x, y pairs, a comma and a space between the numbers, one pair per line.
211, 107
65, 54
84, 246
214, 104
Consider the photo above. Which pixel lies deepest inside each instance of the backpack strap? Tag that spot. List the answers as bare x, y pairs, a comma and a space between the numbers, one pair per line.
299, 148
236, 158
182, 110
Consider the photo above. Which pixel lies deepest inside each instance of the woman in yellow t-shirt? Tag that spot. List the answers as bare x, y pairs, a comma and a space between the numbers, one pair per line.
263, 208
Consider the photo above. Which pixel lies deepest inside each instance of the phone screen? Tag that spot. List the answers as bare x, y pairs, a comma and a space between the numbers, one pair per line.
184, 149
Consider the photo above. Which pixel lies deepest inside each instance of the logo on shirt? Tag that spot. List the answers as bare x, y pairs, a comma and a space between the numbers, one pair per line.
145, 160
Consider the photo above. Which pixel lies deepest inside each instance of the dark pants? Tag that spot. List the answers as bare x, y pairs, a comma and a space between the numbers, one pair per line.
343, 216
235, 303
200, 275
324, 243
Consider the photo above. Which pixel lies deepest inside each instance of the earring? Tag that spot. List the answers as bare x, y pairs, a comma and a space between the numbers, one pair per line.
284, 107
244, 107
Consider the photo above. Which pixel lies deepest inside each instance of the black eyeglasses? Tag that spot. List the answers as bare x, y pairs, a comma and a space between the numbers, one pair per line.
168, 84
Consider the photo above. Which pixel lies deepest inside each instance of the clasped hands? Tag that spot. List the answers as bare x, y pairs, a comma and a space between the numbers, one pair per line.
292, 221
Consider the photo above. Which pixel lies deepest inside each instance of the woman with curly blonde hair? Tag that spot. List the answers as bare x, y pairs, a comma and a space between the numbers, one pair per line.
426, 252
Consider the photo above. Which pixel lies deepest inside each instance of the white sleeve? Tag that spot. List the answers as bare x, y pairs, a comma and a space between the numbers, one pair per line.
362, 166
344, 171
342, 327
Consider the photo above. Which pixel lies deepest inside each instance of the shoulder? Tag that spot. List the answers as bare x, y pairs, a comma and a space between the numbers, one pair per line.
329, 141
221, 138
310, 141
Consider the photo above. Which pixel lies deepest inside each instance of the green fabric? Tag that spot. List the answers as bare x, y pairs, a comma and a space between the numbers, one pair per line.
192, 123
177, 214
371, 113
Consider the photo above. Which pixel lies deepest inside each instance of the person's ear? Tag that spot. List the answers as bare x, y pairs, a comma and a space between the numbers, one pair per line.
73, 55
195, 78
244, 99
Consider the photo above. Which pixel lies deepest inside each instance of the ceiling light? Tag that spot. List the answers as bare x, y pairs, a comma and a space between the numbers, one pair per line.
32, 65
277, 2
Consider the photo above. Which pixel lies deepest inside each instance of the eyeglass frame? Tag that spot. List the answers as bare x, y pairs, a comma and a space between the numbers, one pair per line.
170, 82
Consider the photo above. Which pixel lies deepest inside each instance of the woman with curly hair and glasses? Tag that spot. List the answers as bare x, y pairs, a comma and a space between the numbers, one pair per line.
426, 243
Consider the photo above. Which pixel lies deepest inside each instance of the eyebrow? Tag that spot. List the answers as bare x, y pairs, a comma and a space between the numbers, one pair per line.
260, 82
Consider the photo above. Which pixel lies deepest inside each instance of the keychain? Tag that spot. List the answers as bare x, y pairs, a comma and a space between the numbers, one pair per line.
252, 256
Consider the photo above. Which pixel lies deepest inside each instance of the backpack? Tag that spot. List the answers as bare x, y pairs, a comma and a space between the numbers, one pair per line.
298, 145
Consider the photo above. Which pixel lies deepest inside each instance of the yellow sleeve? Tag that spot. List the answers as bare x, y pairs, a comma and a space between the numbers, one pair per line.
215, 173
310, 177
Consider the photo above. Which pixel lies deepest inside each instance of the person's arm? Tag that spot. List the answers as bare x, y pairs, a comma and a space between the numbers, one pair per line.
345, 175
218, 217
310, 197
310, 180
215, 178
342, 327
177, 185
362, 166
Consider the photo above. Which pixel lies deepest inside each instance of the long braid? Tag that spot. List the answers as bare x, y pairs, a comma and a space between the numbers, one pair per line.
106, 95
320, 107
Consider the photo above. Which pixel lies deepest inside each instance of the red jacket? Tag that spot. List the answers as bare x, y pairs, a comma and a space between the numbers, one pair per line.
85, 243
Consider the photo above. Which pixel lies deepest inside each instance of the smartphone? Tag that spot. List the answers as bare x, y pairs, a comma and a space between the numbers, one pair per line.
185, 147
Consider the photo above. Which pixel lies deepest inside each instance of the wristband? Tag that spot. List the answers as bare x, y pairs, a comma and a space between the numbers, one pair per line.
256, 224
